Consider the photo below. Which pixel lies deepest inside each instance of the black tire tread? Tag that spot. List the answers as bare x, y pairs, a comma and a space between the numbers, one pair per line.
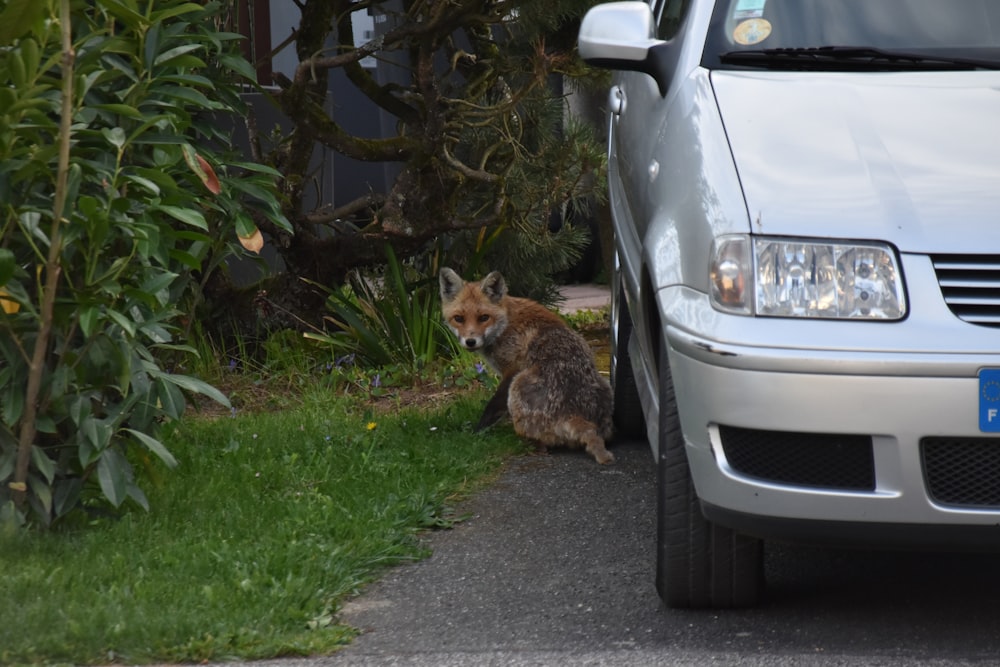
699, 564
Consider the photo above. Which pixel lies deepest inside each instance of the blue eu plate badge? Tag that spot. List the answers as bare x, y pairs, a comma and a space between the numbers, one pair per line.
989, 400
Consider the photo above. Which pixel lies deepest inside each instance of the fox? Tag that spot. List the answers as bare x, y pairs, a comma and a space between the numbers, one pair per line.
549, 384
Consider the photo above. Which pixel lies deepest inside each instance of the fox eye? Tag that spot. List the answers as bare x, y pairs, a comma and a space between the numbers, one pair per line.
484, 318
459, 319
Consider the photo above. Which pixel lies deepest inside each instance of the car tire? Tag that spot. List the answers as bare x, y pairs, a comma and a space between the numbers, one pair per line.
699, 564
627, 412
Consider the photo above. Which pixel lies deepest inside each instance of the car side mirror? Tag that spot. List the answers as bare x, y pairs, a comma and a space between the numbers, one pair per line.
622, 36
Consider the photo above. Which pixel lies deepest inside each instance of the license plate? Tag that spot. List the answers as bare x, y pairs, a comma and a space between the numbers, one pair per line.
989, 400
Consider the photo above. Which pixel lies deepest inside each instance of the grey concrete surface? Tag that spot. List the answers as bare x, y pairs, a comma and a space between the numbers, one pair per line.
584, 297
538, 567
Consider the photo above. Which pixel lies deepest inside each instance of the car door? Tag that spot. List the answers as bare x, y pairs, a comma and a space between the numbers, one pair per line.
637, 109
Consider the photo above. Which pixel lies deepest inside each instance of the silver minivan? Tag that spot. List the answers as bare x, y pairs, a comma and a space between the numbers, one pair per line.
806, 302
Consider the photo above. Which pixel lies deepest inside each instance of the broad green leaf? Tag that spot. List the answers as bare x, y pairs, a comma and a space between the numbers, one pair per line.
12, 402
67, 492
45, 424
7, 266
7, 462
115, 136
155, 446
79, 409
159, 281
126, 14
89, 318
111, 474
18, 17
30, 54
122, 321
138, 495
43, 463
175, 54
171, 399
143, 183
122, 110
256, 167
197, 386
186, 215
239, 65
186, 258
42, 493
16, 69
172, 12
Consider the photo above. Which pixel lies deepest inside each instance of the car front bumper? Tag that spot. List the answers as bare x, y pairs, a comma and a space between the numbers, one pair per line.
914, 410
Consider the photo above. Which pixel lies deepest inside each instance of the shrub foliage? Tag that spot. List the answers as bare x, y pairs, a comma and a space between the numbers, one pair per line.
113, 204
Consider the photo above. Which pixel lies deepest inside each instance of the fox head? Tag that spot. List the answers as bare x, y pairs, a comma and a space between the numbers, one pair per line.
473, 311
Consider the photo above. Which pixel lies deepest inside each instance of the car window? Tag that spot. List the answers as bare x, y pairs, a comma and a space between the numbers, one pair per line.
669, 14
941, 28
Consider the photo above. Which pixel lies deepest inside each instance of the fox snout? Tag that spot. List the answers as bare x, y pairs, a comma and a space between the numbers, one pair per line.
472, 342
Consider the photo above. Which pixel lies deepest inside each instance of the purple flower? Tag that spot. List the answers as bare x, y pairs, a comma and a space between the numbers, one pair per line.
377, 380
480, 368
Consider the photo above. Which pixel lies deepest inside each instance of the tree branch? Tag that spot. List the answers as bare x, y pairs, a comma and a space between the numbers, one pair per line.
53, 268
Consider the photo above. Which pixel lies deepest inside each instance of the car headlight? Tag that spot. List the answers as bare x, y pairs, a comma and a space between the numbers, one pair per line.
788, 277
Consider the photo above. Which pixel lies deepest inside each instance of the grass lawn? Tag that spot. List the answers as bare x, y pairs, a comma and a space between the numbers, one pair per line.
269, 523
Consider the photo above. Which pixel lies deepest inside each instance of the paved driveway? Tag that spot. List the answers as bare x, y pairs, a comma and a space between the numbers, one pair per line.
557, 556
555, 567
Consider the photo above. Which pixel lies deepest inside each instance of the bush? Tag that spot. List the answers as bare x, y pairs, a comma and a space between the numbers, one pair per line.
392, 318
114, 204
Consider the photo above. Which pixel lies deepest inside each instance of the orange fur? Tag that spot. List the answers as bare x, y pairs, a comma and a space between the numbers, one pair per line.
549, 385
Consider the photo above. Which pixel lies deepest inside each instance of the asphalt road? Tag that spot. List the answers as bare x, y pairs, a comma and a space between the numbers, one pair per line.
555, 567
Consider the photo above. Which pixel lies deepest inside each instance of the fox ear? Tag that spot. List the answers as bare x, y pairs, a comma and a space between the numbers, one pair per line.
494, 286
451, 284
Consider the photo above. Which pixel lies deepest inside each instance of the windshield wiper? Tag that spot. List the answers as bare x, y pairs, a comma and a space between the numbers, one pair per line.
850, 58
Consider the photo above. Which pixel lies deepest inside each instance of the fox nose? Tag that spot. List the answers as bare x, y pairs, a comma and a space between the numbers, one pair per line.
470, 343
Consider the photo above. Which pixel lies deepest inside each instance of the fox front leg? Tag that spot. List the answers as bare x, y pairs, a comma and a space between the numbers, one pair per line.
496, 407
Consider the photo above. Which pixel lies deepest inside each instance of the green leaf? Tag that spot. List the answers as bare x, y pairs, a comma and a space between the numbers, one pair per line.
90, 316
138, 495
177, 52
67, 492
197, 386
42, 493
7, 266
18, 17
143, 183
43, 463
245, 226
122, 321
79, 410
111, 474
179, 10
115, 136
12, 403
122, 110
239, 65
186, 215
155, 446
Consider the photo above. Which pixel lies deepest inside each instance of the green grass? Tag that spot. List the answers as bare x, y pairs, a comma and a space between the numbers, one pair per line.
268, 524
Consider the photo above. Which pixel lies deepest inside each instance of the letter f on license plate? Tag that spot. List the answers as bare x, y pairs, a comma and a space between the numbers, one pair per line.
989, 400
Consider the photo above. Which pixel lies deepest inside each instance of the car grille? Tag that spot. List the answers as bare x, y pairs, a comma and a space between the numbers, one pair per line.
970, 285
962, 471
803, 459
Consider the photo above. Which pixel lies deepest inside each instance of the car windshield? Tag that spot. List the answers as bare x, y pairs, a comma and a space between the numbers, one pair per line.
852, 35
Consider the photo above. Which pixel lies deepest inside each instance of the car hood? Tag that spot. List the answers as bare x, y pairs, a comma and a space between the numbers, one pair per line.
912, 159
